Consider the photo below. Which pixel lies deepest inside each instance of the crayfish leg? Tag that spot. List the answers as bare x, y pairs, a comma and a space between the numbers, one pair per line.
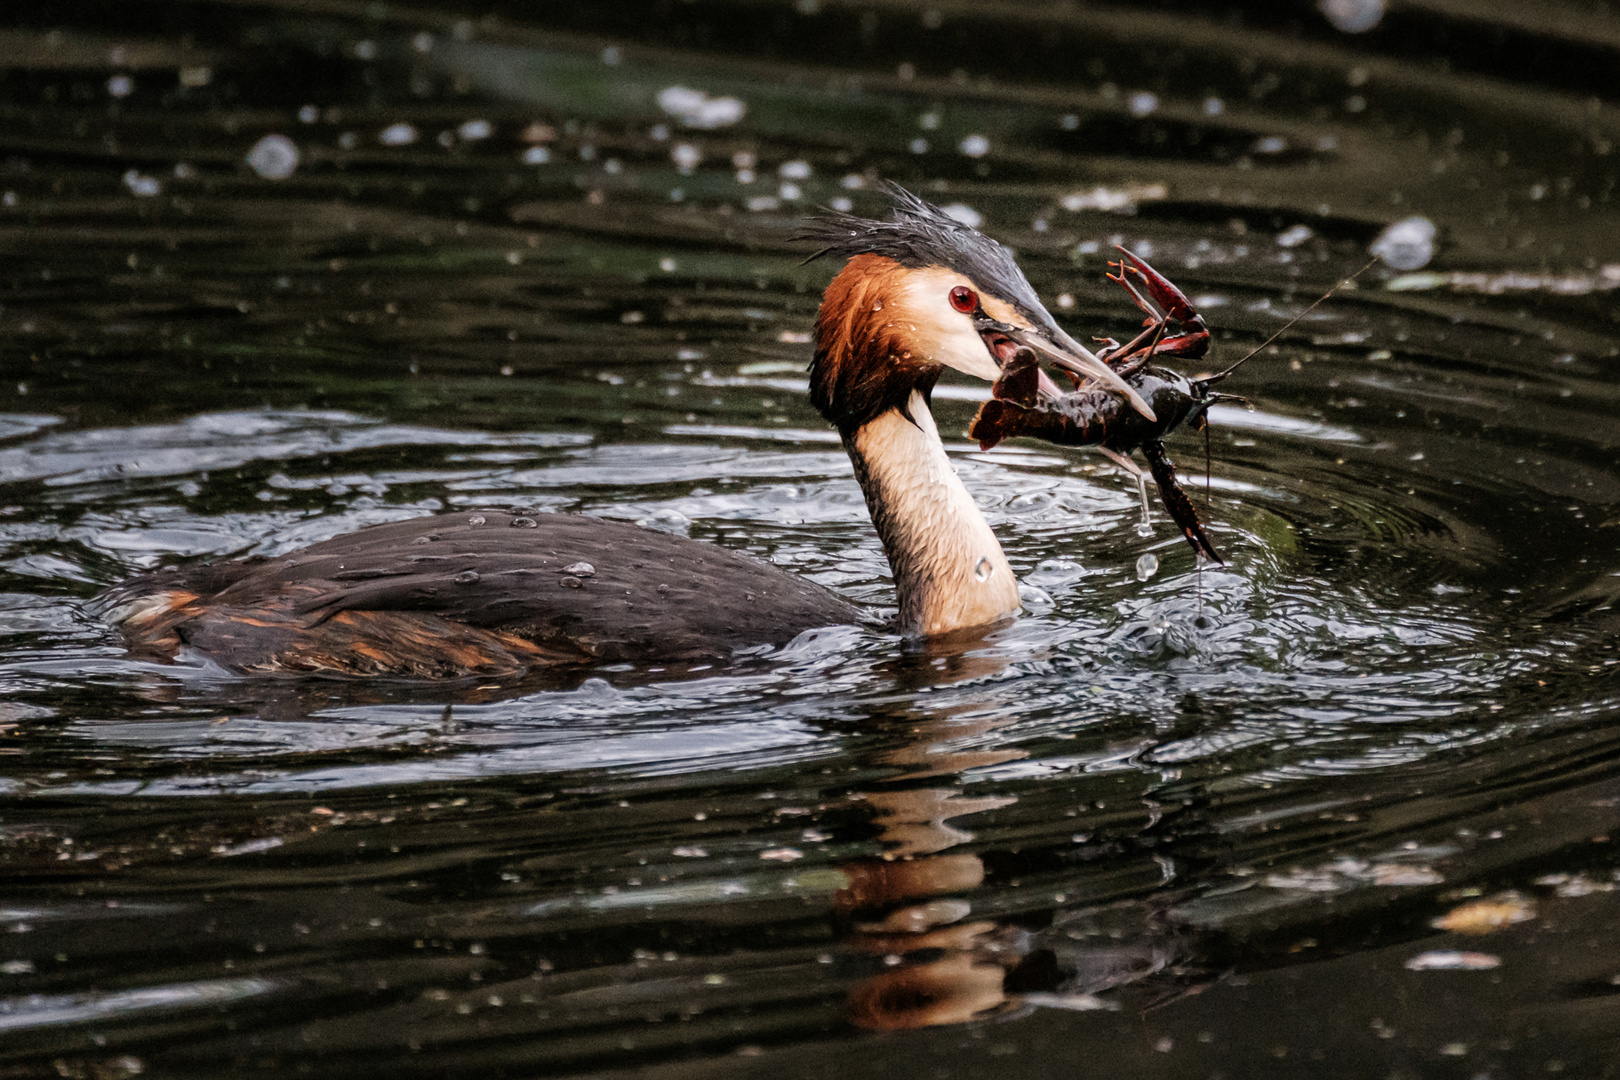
1131, 469
1176, 501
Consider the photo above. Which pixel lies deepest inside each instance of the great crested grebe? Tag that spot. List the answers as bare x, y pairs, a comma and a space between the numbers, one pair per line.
493, 593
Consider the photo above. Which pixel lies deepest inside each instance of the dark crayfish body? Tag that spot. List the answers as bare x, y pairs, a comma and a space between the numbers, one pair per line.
1094, 417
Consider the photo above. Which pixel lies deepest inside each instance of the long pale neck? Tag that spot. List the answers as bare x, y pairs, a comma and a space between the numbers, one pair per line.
948, 568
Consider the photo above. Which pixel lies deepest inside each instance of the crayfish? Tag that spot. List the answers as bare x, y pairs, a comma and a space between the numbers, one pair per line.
1102, 418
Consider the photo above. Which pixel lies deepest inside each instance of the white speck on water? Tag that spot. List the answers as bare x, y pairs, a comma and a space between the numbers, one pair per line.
685, 156
1214, 106
1406, 245
142, 185
975, 146
918, 146
348, 140
1270, 144
743, 159
195, 77
1294, 236
473, 130
690, 852
17, 967
1069, 122
790, 192
760, 204
365, 50
1447, 960
274, 157
536, 155
696, 109
668, 265
1143, 103
928, 121
1147, 566
309, 114
783, 854
400, 134
120, 86
612, 56
1352, 16
965, 214
794, 170
1065, 302
842, 204
422, 42
855, 181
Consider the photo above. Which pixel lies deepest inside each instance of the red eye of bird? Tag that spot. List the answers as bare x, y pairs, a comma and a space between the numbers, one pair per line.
964, 299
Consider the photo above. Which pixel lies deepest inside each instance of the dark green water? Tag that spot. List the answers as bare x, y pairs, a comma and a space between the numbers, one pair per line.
1187, 826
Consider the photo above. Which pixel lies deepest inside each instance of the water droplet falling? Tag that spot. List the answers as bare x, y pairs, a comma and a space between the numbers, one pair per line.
1147, 566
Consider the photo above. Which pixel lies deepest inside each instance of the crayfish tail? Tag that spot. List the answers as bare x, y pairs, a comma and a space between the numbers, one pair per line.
1176, 502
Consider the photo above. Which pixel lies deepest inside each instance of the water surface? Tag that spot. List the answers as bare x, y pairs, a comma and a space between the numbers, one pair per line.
1225, 821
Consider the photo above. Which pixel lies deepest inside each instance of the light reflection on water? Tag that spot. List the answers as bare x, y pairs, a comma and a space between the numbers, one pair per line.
1198, 823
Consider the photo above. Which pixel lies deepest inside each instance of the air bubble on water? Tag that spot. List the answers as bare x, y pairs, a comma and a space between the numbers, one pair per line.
1035, 598
1406, 245
974, 146
1147, 566
1352, 16
1143, 103
685, 156
666, 520
1294, 236
400, 134
142, 185
274, 157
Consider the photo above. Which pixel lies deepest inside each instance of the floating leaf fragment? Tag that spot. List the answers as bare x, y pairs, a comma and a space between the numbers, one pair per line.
1487, 916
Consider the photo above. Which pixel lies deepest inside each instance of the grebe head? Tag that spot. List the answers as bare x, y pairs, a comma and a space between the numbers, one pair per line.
922, 292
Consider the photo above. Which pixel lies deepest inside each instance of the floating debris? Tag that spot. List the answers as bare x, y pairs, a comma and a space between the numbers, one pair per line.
1487, 916
274, 157
696, 109
782, 854
1119, 200
1449, 960
1607, 277
1406, 245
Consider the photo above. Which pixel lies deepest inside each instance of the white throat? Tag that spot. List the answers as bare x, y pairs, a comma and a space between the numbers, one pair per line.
948, 568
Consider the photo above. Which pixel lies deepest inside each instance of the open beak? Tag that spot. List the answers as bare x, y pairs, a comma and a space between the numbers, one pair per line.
1068, 354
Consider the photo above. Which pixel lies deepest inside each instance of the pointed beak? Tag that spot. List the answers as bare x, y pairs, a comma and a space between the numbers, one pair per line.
1068, 354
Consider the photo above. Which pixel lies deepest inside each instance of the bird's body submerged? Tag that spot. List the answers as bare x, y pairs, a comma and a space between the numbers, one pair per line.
482, 593
491, 594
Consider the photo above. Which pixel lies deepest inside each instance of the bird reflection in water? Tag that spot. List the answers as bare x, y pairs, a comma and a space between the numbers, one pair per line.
913, 906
